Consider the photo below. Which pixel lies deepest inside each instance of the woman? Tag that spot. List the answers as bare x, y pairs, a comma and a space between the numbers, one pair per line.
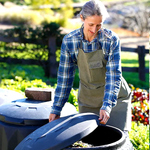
96, 52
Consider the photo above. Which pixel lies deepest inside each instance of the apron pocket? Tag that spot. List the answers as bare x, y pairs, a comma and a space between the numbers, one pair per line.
97, 72
95, 64
91, 97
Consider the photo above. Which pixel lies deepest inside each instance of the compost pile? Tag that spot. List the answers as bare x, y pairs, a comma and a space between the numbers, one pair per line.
80, 144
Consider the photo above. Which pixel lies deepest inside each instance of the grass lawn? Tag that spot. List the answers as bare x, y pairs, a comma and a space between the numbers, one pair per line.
31, 72
130, 59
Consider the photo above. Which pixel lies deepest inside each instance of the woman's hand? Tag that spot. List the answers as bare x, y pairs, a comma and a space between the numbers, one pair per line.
53, 117
103, 116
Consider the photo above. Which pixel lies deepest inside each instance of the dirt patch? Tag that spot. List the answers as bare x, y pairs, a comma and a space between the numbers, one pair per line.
4, 27
124, 32
131, 39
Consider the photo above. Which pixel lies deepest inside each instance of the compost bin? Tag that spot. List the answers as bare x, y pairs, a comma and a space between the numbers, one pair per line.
21, 117
7, 96
61, 133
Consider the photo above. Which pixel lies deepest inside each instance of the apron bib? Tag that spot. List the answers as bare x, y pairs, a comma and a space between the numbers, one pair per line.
92, 72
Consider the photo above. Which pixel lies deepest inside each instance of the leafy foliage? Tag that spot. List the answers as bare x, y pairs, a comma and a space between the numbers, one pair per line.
34, 34
139, 136
26, 72
24, 51
20, 85
65, 11
28, 35
73, 98
24, 17
37, 12
38, 3
38, 35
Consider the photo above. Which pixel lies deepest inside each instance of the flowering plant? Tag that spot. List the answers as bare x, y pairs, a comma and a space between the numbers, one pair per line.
140, 106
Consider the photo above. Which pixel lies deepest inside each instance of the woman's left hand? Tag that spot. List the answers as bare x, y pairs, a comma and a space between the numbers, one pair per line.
103, 116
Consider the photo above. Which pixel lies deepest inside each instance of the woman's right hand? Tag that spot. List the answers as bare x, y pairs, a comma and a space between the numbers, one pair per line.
53, 117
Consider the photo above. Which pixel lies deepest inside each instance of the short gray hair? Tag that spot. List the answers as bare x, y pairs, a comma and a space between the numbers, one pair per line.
94, 7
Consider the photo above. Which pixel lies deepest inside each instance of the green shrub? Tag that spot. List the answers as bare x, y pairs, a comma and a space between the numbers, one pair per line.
33, 14
39, 51
22, 17
26, 72
20, 85
73, 98
139, 136
24, 51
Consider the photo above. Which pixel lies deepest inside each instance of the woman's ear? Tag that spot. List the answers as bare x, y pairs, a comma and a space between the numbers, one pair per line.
81, 18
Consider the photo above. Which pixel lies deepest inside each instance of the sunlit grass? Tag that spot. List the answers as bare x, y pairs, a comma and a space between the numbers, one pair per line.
130, 59
133, 78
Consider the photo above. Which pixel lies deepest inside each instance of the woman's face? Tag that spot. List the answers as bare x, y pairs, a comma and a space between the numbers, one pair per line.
91, 25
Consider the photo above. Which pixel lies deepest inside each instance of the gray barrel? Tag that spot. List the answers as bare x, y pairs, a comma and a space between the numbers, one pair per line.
7, 96
21, 117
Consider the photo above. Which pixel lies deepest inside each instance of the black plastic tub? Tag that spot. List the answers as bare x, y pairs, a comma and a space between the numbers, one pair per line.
105, 138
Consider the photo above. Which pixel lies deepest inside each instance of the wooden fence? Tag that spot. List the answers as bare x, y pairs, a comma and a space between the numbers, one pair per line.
50, 66
53, 65
142, 70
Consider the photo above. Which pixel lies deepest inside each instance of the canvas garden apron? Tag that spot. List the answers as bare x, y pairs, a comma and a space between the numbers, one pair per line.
92, 70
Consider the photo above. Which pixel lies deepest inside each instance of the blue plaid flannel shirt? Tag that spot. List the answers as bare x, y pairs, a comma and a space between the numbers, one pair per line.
110, 45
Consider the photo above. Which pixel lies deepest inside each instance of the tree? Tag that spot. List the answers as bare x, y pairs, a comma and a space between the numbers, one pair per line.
62, 6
